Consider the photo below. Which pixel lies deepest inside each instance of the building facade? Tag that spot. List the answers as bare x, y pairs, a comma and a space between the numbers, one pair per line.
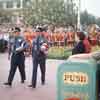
13, 9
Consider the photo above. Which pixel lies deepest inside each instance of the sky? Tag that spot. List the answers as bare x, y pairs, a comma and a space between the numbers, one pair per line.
92, 6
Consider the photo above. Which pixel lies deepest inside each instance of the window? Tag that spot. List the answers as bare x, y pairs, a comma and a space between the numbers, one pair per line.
18, 4
9, 4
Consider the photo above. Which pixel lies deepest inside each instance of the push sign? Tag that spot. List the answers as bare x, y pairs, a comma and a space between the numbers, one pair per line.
76, 80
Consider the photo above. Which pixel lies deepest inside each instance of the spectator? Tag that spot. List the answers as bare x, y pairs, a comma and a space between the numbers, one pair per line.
83, 45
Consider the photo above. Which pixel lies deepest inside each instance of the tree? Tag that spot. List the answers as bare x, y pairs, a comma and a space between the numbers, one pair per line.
87, 18
98, 21
71, 15
51, 11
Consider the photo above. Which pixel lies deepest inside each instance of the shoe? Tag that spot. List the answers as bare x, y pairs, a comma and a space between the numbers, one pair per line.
32, 86
9, 84
22, 81
43, 83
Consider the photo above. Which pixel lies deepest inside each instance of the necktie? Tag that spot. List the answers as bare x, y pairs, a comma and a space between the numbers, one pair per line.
15, 43
38, 45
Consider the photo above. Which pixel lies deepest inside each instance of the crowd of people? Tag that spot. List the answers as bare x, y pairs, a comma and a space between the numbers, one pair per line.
63, 38
55, 39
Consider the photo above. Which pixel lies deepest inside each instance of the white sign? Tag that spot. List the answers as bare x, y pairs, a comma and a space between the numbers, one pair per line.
75, 78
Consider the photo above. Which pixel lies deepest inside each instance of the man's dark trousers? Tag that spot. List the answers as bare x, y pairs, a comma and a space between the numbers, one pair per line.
17, 61
41, 63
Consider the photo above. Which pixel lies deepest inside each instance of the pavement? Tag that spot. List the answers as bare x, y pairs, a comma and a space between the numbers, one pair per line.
20, 91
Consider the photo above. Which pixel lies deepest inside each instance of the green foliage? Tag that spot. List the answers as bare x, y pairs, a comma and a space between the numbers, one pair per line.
95, 48
59, 53
87, 18
98, 21
51, 11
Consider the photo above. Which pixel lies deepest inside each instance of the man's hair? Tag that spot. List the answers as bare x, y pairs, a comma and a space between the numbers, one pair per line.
17, 29
81, 35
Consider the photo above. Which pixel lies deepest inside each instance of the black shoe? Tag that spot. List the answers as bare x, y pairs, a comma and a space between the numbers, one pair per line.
22, 81
32, 86
9, 84
43, 83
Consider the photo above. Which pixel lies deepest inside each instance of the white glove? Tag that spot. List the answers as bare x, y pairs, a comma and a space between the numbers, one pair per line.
21, 47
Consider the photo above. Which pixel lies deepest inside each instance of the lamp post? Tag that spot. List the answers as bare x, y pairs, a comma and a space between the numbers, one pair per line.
21, 4
78, 15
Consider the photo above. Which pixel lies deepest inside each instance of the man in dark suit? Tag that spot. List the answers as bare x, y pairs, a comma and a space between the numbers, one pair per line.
17, 48
39, 57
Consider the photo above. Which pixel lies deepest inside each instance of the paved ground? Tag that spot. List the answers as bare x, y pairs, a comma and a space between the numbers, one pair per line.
21, 91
